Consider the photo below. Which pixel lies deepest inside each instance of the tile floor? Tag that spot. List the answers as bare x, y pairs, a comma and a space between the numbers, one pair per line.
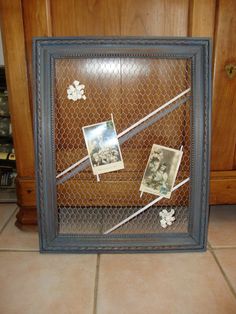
187, 283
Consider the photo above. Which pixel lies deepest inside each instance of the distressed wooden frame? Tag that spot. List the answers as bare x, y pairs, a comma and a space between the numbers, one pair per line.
45, 51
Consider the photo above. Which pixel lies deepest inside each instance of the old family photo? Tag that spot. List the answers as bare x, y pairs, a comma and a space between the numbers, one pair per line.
103, 147
105, 156
161, 171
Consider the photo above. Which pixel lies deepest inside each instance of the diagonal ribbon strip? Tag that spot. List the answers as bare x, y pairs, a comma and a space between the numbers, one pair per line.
141, 210
128, 129
125, 135
84, 163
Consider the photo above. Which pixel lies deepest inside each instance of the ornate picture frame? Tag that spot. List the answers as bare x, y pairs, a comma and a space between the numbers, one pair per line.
158, 90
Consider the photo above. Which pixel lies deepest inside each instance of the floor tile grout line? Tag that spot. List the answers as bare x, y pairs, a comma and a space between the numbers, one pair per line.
95, 295
8, 220
19, 250
223, 248
223, 272
209, 245
233, 246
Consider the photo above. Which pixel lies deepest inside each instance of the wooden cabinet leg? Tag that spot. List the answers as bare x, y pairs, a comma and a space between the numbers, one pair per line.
26, 216
26, 201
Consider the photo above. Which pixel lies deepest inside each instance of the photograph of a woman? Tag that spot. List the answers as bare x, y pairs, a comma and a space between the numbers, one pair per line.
161, 171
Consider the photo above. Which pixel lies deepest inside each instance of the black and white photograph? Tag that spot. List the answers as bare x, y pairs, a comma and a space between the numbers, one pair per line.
103, 147
161, 171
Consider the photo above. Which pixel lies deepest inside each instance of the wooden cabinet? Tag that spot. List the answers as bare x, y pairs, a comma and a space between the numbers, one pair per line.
23, 19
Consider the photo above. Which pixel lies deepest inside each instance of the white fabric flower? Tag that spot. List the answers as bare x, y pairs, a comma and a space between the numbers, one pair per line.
76, 91
167, 218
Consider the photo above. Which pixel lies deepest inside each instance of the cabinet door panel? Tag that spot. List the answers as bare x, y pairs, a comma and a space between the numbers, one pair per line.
154, 18
79, 17
224, 100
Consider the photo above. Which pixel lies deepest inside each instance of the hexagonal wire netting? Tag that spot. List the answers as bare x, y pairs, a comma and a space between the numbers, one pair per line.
129, 88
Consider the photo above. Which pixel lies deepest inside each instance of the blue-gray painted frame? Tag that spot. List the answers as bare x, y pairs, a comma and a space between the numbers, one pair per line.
45, 51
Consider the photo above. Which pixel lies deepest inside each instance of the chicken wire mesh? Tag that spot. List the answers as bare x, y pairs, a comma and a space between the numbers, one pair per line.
128, 88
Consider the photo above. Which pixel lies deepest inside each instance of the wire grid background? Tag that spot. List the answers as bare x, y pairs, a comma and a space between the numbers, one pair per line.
129, 88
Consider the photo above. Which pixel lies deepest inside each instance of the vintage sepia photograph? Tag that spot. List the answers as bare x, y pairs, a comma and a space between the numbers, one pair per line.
161, 171
103, 147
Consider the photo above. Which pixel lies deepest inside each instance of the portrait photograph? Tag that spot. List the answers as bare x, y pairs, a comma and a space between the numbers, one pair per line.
103, 147
161, 171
